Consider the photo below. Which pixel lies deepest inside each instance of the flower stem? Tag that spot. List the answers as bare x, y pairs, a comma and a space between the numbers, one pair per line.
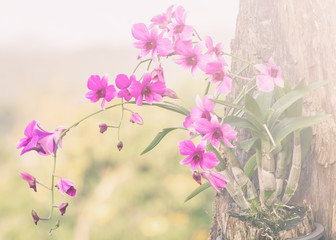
197, 34
241, 59
141, 62
56, 148
121, 118
43, 185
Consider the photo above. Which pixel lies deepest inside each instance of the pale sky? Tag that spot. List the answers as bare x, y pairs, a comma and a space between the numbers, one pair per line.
62, 25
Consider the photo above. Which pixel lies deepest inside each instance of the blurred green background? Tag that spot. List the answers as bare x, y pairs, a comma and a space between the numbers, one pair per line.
47, 53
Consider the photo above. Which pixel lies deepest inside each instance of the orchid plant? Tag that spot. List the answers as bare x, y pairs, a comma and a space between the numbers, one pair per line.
265, 105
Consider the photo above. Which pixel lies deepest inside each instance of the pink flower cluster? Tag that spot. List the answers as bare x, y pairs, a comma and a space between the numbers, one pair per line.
151, 88
44, 143
169, 34
203, 120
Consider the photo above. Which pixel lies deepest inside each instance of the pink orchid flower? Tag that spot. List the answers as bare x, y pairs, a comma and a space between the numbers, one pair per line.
196, 156
217, 50
150, 41
216, 180
29, 179
218, 74
179, 29
271, 76
100, 89
148, 90
123, 83
215, 132
190, 57
162, 20
66, 186
204, 108
39, 140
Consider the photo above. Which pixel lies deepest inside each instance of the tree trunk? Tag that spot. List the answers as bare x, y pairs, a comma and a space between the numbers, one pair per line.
300, 35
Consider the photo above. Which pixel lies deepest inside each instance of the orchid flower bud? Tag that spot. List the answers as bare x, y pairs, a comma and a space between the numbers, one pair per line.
120, 145
197, 177
35, 217
102, 127
63, 207
29, 179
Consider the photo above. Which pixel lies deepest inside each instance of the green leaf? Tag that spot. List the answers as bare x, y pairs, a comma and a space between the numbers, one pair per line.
264, 101
239, 122
286, 101
158, 138
306, 136
253, 119
252, 106
250, 166
289, 125
227, 103
197, 191
253, 112
172, 107
248, 143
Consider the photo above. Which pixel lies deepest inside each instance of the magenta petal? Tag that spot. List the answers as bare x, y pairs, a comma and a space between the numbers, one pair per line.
29, 129
122, 81
103, 104
92, 96
149, 98
32, 144
203, 126
224, 87
262, 68
186, 160
135, 89
209, 161
194, 165
186, 33
265, 83
186, 147
164, 47
208, 42
140, 32
279, 82
94, 82
110, 93
272, 63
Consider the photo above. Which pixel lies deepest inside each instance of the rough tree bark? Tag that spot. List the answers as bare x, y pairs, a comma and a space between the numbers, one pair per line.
300, 35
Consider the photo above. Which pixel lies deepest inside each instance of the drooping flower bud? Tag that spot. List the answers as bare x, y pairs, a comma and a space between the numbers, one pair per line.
216, 179
29, 179
136, 118
35, 217
63, 207
170, 93
197, 177
120, 145
66, 186
102, 127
